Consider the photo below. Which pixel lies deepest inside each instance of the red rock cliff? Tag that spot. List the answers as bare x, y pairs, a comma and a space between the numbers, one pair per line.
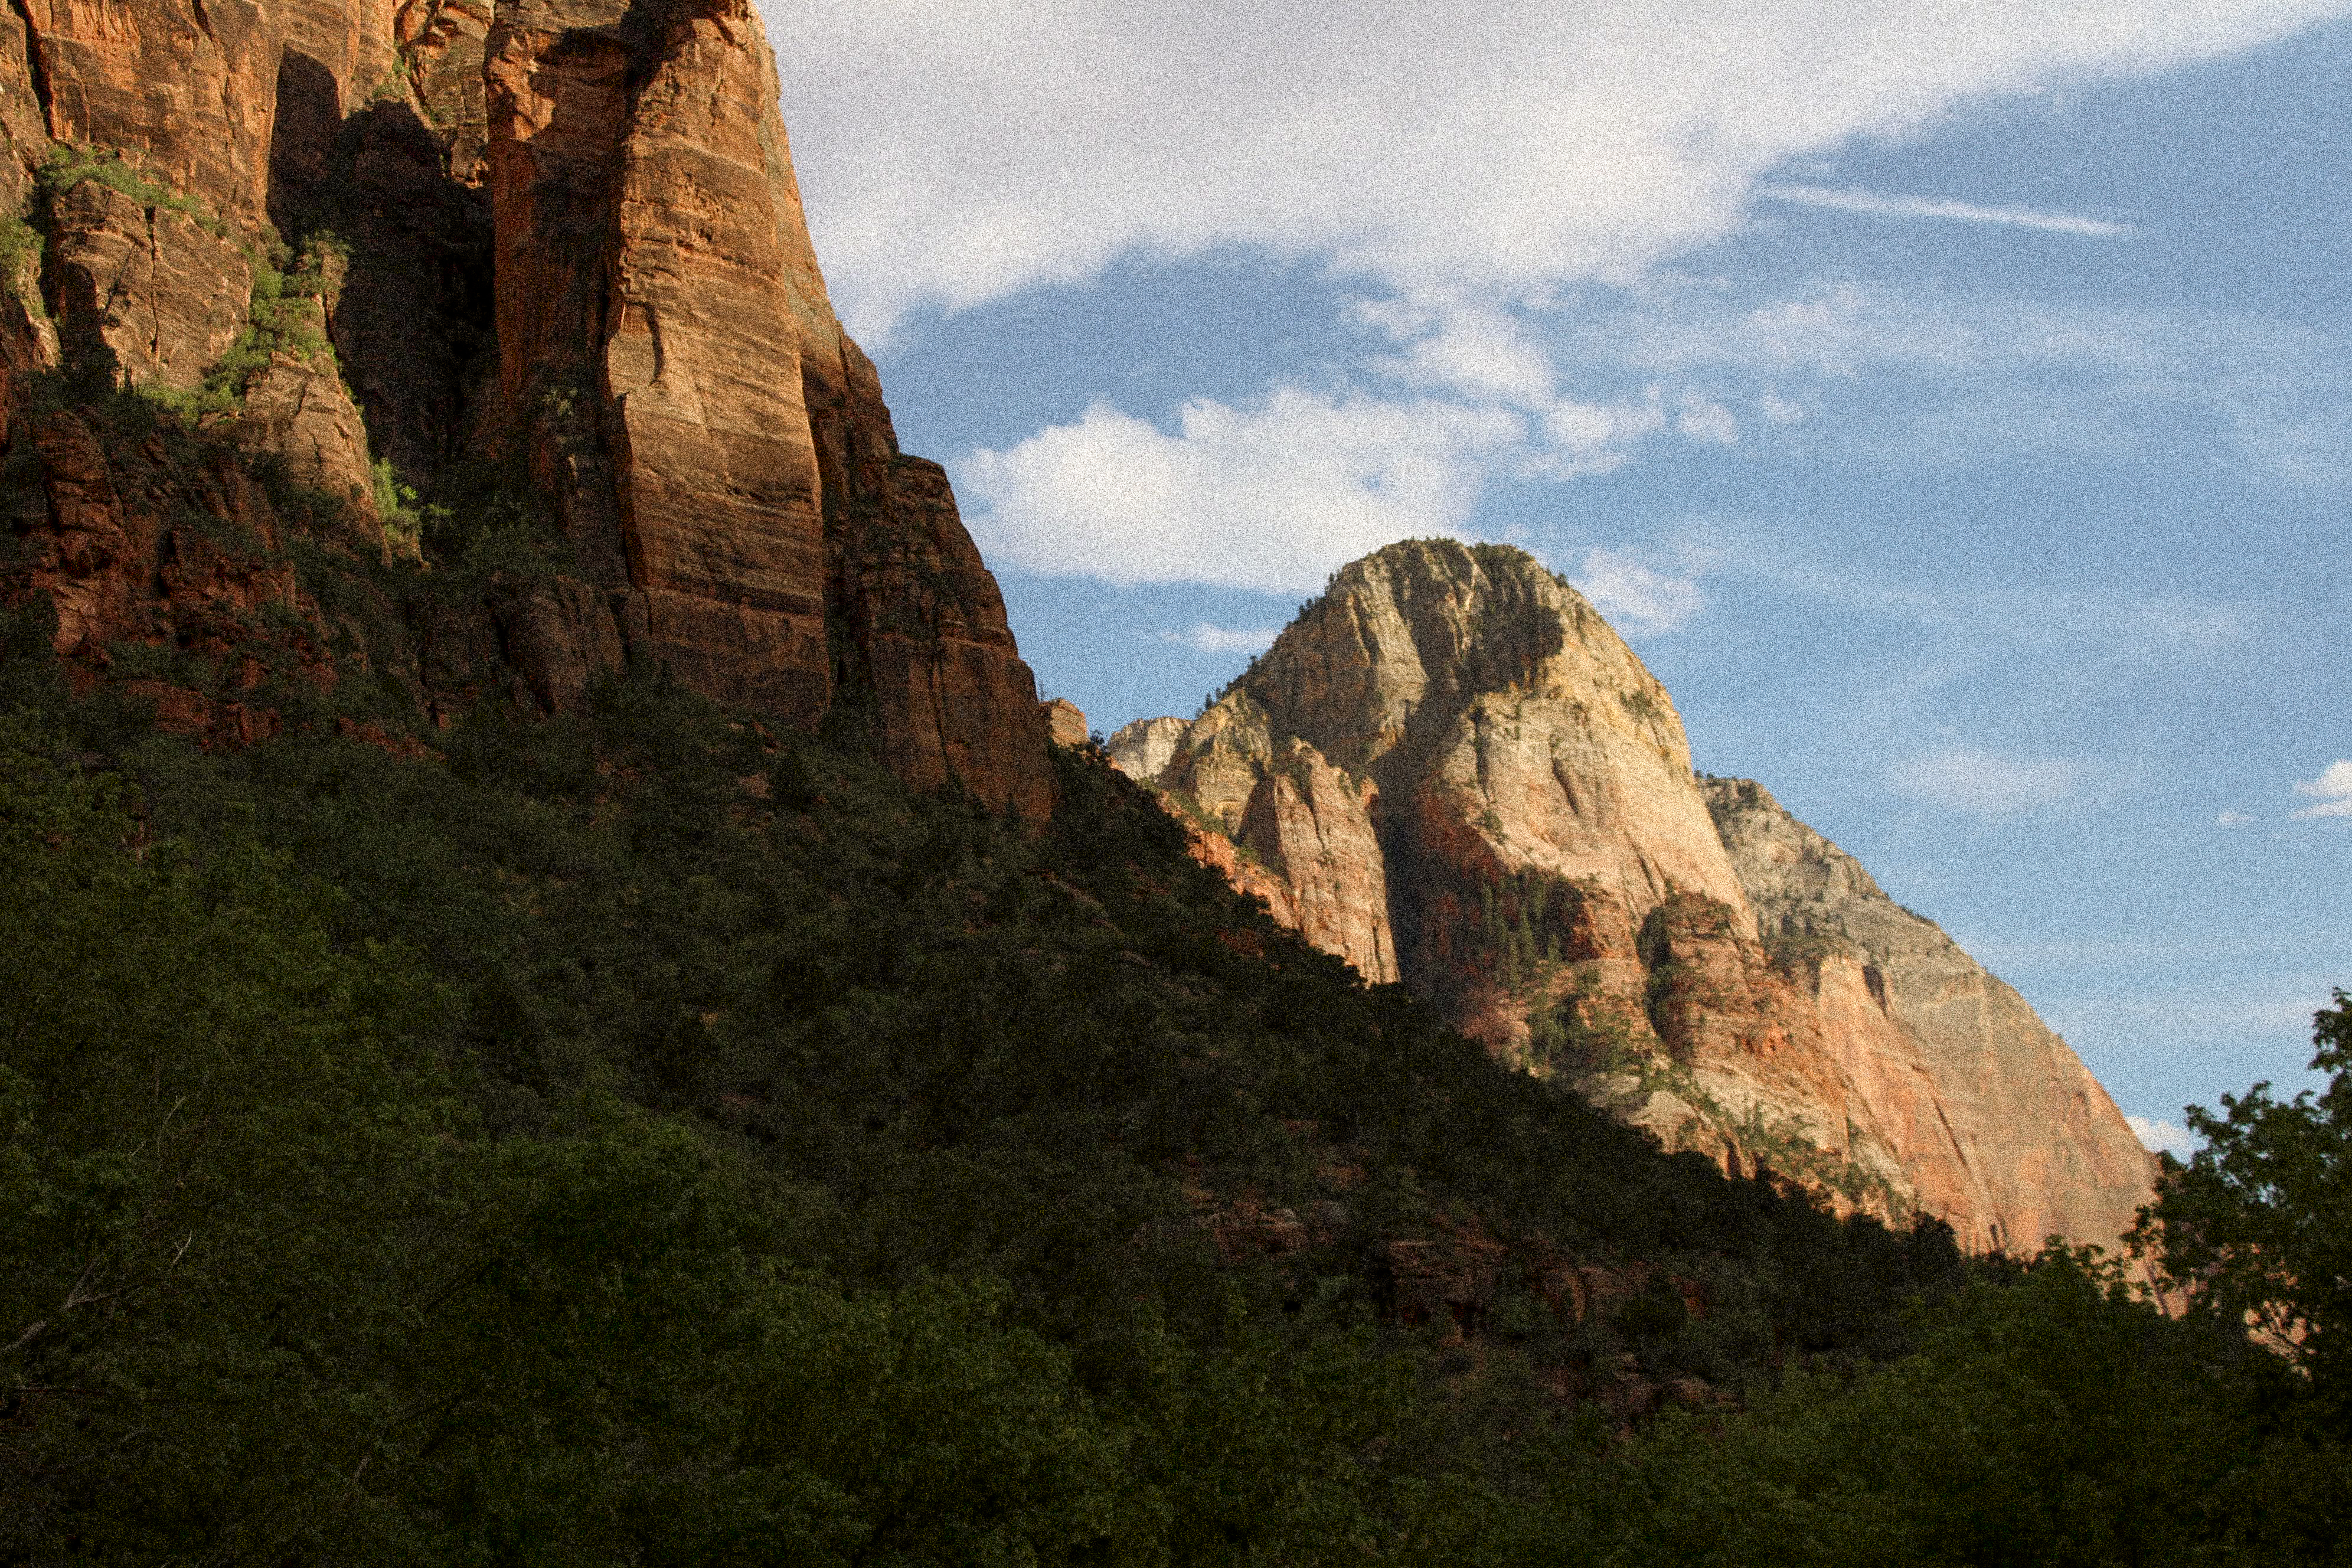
1450, 770
568, 274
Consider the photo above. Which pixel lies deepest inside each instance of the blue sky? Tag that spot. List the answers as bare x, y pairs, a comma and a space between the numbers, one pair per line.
1953, 405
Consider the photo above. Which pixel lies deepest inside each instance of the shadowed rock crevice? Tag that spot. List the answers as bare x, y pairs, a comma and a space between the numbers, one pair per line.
302, 138
36, 70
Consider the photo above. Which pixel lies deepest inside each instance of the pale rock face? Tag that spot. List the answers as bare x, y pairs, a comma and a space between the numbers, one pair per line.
1142, 750
1488, 694
1451, 770
1312, 825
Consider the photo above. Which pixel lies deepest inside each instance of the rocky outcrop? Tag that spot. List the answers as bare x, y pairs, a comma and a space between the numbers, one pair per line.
579, 287
1143, 749
1451, 770
1066, 721
154, 289
298, 410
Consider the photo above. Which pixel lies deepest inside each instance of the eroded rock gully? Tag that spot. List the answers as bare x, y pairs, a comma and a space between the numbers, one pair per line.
572, 287
1450, 771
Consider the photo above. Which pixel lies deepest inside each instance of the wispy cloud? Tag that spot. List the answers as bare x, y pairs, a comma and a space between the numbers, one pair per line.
2159, 1136
2276, 1003
1204, 637
1758, 551
1985, 375
1633, 597
2330, 793
1879, 206
2231, 819
1985, 785
1457, 393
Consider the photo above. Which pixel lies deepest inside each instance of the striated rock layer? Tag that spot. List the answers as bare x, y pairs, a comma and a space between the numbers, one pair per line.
1450, 771
553, 266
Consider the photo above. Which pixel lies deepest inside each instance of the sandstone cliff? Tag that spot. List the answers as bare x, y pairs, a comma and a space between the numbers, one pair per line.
531, 266
2045, 1147
1450, 771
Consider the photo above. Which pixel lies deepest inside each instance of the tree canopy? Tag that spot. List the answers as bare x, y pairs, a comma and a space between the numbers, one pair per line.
2257, 1225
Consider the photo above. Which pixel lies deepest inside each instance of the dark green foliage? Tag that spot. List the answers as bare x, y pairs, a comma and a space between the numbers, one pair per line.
2047, 1419
286, 316
2259, 1221
643, 1137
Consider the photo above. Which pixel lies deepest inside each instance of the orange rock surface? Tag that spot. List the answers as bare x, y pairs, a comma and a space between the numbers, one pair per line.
1450, 770
578, 281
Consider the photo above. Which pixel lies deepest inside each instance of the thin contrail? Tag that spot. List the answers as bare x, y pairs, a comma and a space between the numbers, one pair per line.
1953, 212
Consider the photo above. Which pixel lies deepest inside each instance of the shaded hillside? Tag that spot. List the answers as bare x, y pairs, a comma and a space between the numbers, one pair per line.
644, 1135
660, 989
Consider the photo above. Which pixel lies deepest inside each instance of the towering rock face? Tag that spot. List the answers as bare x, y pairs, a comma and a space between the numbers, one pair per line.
572, 277
1449, 770
2043, 1145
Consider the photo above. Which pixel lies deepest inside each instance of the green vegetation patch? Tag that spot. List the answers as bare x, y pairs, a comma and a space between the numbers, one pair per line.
69, 166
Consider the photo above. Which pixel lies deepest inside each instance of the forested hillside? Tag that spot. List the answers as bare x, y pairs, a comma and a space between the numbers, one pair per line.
646, 1135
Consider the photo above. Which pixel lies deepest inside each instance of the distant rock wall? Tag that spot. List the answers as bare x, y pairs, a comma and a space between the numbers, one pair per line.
578, 259
1450, 771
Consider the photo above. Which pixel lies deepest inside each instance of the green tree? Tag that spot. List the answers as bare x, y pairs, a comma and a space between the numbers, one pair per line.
2050, 1419
2258, 1225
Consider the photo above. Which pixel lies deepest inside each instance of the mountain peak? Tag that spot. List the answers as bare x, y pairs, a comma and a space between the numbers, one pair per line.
1451, 770
1409, 639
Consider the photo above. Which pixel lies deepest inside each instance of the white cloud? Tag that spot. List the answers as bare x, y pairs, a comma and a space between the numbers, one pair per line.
2330, 793
1705, 420
1981, 784
1576, 438
1633, 597
955, 151
2231, 819
2159, 1136
1479, 167
1204, 638
1275, 497
1949, 211
1479, 351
